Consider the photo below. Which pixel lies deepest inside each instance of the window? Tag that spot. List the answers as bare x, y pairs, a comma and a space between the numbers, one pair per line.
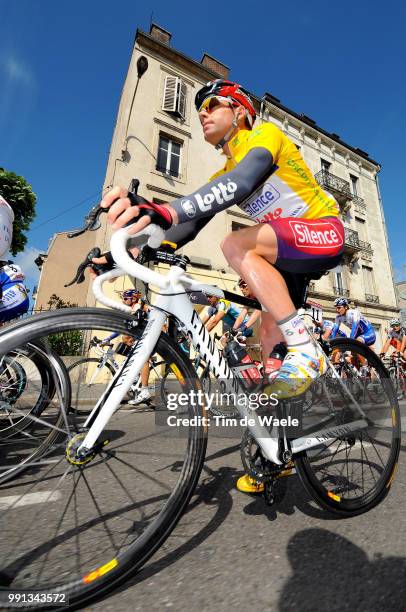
325, 165
354, 183
368, 280
168, 160
339, 283
361, 229
174, 100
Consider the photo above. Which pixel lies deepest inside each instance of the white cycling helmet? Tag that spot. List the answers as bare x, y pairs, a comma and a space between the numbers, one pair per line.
6, 226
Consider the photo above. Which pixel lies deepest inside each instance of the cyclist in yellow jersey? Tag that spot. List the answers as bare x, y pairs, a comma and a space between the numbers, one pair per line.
298, 228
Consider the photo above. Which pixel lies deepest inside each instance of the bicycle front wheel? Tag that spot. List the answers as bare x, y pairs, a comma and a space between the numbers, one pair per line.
352, 473
80, 529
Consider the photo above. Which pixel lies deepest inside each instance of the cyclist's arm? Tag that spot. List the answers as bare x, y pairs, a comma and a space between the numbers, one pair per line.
215, 319
225, 190
252, 319
206, 316
329, 332
240, 319
335, 329
385, 346
403, 345
108, 339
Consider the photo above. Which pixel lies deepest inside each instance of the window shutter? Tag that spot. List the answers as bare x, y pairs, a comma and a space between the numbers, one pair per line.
182, 99
169, 103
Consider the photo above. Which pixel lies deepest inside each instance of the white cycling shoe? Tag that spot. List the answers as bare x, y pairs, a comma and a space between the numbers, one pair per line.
143, 397
298, 372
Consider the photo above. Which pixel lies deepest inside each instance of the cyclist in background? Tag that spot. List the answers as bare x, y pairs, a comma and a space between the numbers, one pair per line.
13, 294
223, 310
247, 317
396, 338
326, 328
130, 297
361, 329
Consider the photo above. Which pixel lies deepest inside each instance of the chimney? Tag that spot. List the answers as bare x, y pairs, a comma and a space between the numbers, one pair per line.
160, 34
212, 64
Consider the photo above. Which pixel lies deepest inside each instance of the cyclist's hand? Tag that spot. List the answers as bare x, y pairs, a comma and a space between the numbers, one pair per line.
125, 207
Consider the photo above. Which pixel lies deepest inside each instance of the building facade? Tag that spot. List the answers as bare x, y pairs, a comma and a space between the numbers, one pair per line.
158, 140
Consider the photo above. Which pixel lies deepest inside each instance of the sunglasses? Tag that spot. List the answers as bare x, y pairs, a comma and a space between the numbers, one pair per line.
243, 286
209, 104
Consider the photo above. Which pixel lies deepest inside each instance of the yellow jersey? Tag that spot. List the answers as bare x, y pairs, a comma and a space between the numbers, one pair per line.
291, 189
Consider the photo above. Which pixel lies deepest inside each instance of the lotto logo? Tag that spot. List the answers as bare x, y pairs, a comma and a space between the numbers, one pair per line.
322, 236
219, 193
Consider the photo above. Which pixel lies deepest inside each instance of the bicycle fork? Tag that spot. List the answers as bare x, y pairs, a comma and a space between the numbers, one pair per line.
122, 381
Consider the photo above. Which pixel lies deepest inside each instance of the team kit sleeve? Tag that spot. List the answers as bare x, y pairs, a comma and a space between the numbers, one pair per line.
228, 189
355, 324
336, 327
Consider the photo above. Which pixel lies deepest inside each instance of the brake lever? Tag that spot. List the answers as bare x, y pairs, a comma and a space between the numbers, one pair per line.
92, 221
87, 263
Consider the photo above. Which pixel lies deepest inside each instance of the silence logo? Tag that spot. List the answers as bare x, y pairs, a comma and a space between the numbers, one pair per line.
324, 236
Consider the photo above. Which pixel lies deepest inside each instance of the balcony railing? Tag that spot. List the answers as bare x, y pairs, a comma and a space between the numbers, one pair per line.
352, 242
337, 186
372, 298
359, 203
341, 292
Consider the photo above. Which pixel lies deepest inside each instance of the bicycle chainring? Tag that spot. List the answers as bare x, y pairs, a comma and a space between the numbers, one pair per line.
255, 464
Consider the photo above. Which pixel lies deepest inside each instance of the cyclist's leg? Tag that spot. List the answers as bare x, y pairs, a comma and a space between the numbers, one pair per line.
144, 396
254, 252
269, 334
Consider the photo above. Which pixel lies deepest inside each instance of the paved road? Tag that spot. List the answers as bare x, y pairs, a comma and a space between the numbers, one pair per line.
229, 551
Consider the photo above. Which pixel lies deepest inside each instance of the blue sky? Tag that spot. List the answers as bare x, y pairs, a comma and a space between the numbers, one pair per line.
63, 64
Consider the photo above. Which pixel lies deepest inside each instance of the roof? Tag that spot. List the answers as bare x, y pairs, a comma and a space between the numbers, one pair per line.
267, 97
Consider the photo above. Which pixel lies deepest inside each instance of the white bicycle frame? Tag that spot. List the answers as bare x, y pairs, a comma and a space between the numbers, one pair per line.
173, 299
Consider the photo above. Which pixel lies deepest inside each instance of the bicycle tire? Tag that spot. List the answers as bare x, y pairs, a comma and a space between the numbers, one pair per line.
337, 492
16, 378
13, 440
396, 382
84, 396
126, 561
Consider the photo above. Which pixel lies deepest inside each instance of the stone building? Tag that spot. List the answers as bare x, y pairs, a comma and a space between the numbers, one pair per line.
158, 139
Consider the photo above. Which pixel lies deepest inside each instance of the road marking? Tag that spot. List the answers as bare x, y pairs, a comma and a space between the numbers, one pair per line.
16, 501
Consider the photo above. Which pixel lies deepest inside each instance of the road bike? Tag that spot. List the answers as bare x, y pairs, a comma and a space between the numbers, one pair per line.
109, 491
396, 369
89, 375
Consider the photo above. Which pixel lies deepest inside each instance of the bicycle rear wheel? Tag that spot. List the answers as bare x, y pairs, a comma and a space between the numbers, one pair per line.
81, 530
89, 377
351, 474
